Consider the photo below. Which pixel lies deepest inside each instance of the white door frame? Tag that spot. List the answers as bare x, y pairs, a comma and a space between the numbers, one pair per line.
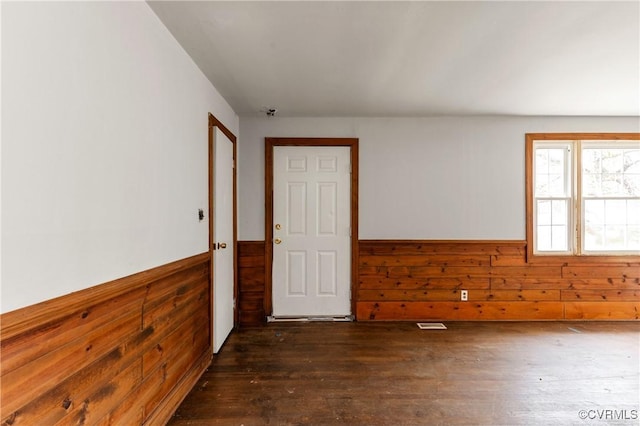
270, 143
213, 123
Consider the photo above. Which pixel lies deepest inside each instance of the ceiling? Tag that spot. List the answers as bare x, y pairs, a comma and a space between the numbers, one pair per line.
420, 58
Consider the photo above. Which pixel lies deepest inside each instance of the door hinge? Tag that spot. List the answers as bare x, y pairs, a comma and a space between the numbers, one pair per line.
350, 232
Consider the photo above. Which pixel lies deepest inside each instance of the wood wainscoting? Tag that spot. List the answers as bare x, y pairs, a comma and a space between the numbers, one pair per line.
124, 352
251, 282
421, 280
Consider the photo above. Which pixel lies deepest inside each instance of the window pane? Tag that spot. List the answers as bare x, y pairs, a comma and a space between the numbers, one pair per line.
556, 184
632, 161
591, 161
542, 185
593, 237
615, 212
550, 172
610, 172
543, 238
556, 161
611, 160
633, 212
611, 185
544, 212
631, 184
614, 237
559, 238
633, 237
552, 225
611, 225
542, 162
559, 212
591, 186
594, 212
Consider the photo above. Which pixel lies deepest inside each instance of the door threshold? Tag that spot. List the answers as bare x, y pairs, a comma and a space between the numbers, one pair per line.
317, 318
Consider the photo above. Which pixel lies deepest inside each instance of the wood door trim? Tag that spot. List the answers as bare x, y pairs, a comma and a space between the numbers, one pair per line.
214, 122
270, 143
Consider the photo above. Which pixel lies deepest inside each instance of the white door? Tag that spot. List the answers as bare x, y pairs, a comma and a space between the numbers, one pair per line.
311, 235
223, 274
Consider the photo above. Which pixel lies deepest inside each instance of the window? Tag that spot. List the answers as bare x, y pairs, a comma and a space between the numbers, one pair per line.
583, 194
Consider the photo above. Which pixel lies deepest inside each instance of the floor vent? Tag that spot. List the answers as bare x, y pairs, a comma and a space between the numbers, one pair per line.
431, 326
343, 318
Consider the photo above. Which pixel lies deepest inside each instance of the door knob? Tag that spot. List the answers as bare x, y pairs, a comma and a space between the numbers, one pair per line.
222, 245
277, 241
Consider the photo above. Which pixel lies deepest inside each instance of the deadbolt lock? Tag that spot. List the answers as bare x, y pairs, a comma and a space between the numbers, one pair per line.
278, 226
277, 241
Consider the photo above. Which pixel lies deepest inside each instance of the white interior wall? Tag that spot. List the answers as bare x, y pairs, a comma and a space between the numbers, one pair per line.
104, 147
420, 178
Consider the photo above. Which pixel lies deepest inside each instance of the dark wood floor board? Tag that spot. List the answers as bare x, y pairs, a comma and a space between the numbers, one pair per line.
473, 373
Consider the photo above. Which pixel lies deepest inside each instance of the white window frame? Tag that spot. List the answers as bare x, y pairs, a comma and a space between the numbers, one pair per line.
568, 197
622, 144
576, 211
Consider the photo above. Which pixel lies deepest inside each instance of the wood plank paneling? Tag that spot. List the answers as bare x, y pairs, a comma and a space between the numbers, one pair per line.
251, 282
601, 271
425, 260
80, 358
103, 400
23, 320
601, 295
405, 282
416, 311
178, 394
443, 271
409, 247
454, 295
508, 260
60, 364
421, 280
602, 310
510, 283
605, 283
408, 279
26, 347
179, 339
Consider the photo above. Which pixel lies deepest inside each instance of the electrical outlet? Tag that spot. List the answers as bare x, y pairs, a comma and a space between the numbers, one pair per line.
464, 295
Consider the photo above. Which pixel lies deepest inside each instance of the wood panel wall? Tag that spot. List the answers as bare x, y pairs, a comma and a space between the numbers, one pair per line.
251, 282
124, 352
421, 280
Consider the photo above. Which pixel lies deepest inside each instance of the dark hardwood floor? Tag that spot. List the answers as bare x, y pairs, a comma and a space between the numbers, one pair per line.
484, 373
